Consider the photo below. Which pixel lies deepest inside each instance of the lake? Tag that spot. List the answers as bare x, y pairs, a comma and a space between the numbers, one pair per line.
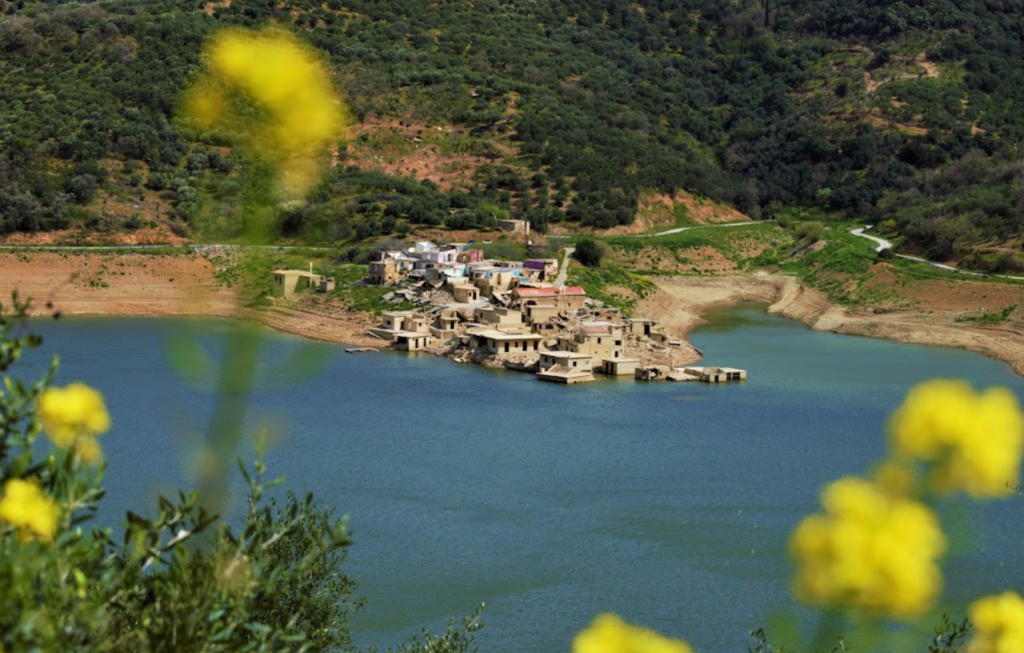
669, 504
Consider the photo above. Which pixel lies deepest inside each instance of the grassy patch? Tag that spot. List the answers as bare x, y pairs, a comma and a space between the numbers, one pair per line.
505, 250
984, 317
355, 296
604, 284
732, 242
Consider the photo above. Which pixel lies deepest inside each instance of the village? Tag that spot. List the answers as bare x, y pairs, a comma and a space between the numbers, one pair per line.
513, 314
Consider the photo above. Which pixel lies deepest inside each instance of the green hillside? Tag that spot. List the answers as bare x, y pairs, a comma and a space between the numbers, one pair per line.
906, 112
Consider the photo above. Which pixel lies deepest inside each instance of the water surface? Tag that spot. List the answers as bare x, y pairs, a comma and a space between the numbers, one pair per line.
669, 504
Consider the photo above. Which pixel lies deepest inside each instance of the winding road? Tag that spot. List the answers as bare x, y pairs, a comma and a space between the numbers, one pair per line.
701, 226
885, 244
560, 279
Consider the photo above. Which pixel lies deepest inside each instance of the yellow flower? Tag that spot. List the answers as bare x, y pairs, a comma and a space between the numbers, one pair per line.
25, 506
870, 551
998, 624
972, 442
298, 113
73, 417
610, 634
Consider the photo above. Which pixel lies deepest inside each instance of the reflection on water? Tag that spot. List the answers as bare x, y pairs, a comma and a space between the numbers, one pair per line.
668, 503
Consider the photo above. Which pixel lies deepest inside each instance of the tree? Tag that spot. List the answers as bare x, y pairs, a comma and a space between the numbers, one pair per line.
589, 252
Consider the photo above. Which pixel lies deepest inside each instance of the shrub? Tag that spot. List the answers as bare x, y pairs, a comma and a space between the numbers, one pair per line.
811, 231
589, 252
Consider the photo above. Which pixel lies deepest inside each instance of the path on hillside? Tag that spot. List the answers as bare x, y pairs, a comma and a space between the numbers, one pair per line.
882, 242
560, 279
699, 226
885, 244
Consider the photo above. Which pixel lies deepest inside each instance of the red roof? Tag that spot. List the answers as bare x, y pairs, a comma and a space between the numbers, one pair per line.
550, 292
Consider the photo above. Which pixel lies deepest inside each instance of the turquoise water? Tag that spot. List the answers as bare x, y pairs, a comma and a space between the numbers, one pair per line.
669, 504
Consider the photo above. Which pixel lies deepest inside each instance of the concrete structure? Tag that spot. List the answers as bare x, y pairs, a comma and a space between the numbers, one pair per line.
639, 326
540, 316
470, 256
447, 319
565, 367
500, 316
598, 339
496, 280
496, 341
407, 341
401, 322
546, 268
515, 226
327, 284
288, 282
437, 256
619, 366
716, 374
465, 293
563, 297
390, 269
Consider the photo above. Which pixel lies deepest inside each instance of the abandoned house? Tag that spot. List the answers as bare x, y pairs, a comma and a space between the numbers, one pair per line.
288, 282
570, 298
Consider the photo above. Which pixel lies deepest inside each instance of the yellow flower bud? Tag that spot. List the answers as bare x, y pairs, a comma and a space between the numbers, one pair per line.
973, 442
73, 417
998, 624
25, 506
300, 114
610, 634
871, 551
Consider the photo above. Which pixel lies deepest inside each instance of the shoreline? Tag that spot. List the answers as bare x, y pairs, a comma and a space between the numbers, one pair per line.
680, 303
186, 286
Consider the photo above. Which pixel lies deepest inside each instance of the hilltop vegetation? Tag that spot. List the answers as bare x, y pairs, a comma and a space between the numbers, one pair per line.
559, 111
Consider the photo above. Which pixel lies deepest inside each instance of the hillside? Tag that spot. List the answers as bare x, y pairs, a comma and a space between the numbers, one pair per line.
567, 111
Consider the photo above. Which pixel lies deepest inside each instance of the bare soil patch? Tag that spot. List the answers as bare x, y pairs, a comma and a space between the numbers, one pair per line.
115, 284
654, 258
405, 149
210, 7
150, 285
155, 235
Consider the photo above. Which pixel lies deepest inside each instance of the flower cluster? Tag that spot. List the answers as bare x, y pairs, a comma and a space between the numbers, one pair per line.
610, 634
73, 417
998, 623
870, 551
971, 442
296, 115
876, 548
25, 506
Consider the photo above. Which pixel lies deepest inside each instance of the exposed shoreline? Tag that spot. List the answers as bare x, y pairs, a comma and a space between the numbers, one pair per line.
680, 302
154, 286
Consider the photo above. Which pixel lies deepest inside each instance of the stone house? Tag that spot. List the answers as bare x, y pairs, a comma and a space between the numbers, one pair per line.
601, 340
565, 367
288, 282
495, 341
566, 298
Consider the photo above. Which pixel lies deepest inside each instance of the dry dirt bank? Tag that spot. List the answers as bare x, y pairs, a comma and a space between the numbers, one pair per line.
149, 285
680, 301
